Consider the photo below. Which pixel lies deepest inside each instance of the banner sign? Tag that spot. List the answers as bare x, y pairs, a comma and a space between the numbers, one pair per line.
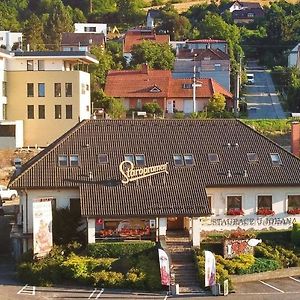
210, 269
42, 228
164, 267
129, 172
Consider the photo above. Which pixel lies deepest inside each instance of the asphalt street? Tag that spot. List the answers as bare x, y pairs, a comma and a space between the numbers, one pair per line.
261, 97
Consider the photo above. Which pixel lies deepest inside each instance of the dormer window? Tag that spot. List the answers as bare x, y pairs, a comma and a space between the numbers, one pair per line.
187, 86
188, 159
155, 89
140, 160
252, 157
213, 157
74, 160
276, 160
102, 159
178, 161
63, 160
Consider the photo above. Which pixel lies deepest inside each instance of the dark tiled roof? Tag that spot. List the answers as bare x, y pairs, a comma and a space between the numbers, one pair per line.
182, 191
201, 54
85, 39
244, 13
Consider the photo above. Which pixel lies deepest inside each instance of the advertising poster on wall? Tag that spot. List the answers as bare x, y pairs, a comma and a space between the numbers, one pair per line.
42, 228
210, 269
164, 267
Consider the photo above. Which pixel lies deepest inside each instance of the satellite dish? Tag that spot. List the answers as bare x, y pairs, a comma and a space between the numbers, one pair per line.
254, 242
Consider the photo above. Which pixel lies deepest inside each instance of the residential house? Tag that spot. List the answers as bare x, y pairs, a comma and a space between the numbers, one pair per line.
137, 87
147, 178
200, 44
294, 57
137, 36
207, 63
244, 12
73, 41
55, 92
9, 39
91, 28
152, 15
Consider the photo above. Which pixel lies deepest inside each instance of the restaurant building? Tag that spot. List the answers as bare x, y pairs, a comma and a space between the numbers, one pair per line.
138, 179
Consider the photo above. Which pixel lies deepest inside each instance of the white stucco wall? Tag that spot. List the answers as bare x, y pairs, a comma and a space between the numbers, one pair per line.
20, 64
85, 99
162, 226
220, 221
62, 200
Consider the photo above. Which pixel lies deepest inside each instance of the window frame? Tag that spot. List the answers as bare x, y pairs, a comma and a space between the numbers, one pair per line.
57, 114
68, 89
41, 92
276, 162
138, 164
235, 208
41, 65
71, 162
292, 207
264, 207
57, 89
252, 161
41, 112
29, 86
181, 159
210, 155
129, 155
29, 63
186, 163
59, 160
69, 113
99, 160
30, 111
4, 88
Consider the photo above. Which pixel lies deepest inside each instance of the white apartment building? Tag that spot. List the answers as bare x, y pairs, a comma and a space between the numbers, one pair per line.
8, 39
91, 28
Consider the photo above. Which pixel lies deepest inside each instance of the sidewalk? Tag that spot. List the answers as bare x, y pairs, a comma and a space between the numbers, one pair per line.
280, 273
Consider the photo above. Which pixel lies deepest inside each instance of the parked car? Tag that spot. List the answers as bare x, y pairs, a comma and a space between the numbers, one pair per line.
6, 193
250, 78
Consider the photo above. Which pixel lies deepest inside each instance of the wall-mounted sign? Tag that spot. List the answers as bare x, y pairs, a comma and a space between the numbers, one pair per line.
130, 173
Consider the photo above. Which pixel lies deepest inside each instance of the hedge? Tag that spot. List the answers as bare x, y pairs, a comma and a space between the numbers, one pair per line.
295, 235
118, 249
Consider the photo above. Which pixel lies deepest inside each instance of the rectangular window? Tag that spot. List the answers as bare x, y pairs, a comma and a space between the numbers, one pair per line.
140, 159
74, 160
4, 88
139, 104
264, 202
69, 113
234, 203
102, 159
189, 159
68, 87
213, 157
87, 87
29, 65
30, 111
75, 207
129, 157
30, 90
57, 89
276, 160
41, 111
252, 157
178, 161
41, 89
41, 65
62, 160
57, 114
294, 202
82, 88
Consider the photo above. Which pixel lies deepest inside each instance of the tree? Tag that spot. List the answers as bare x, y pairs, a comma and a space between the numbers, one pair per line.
152, 108
33, 33
59, 21
157, 56
216, 103
129, 11
8, 17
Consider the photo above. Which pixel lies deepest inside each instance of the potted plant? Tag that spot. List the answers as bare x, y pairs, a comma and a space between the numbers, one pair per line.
265, 212
293, 211
235, 212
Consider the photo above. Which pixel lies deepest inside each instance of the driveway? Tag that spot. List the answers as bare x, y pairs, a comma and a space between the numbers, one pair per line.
261, 97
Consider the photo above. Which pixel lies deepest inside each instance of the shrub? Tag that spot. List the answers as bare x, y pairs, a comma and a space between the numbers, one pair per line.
107, 279
262, 265
238, 264
179, 115
118, 249
295, 234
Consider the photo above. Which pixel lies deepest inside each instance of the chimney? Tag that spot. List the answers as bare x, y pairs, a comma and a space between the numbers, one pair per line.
295, 138
145, 69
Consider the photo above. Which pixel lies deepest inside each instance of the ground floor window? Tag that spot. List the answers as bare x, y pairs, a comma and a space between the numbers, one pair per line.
234, 205
264, 205
293, 204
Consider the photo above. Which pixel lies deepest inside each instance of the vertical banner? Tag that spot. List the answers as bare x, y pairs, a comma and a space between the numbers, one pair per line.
210, 269
164, 267
42, 228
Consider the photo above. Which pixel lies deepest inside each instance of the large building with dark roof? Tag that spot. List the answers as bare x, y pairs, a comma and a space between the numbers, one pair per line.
142, 177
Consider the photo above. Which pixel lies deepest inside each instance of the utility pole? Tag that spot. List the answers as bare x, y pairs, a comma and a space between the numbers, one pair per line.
237, 89
195, 85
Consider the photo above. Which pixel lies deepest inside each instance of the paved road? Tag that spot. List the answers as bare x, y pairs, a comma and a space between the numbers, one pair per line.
263, 102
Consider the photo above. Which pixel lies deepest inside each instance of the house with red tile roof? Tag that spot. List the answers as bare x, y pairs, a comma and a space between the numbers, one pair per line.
137, 87
137, 36
209, 63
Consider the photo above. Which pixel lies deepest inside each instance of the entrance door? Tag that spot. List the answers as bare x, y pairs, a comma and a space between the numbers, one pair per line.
175, 223
188, 106
170, 106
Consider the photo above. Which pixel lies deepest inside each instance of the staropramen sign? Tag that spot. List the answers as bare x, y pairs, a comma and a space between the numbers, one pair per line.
130, 173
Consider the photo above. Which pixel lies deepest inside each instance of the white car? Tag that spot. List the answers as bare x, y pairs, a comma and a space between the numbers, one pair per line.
250, 78
6, 193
